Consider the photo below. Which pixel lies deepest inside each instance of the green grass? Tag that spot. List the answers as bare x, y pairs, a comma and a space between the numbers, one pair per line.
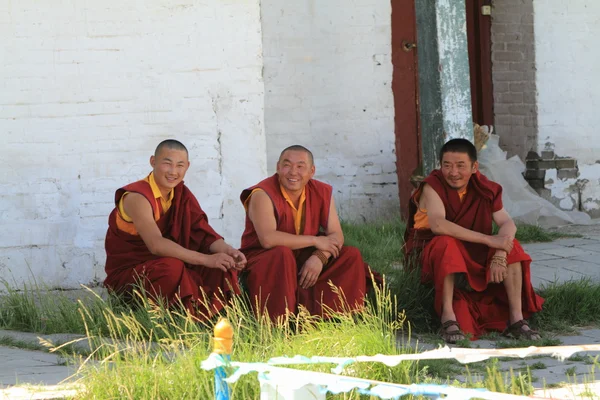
155, 353
544, 341
569, 304
534, 234
538, 365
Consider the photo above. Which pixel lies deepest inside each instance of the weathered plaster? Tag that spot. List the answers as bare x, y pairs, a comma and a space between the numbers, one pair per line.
581, 193
444, 80
454, 66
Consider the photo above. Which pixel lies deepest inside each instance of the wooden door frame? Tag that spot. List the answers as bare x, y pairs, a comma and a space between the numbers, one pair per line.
406, 104
479, 34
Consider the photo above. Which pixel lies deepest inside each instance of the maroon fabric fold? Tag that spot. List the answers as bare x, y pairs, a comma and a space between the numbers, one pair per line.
272, 274
129, 262
485, 307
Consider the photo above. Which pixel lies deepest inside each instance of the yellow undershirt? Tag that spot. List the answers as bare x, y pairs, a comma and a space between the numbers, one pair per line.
421, 219
165, 204
298, 213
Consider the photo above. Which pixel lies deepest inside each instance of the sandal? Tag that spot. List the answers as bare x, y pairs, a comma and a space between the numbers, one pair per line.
452, 336
516, 331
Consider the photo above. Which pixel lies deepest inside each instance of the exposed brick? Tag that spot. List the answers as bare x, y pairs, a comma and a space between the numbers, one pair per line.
566, 163
515, 47
505, 18
531, 121
509, 76
501, 66
513, 42
510, 37
511, 120
548, 154
500, 27
568, 173
522, 66
521, 109
501, 109
510, 98
508, 56
527, 19
529, 98
535, 174
499, 47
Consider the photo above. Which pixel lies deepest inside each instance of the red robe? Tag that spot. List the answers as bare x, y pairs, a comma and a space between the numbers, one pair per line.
129, 262
485, 308
272, 274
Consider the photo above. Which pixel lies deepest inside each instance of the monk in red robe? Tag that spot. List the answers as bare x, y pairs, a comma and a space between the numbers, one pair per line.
159, 239
295, 246
482, 281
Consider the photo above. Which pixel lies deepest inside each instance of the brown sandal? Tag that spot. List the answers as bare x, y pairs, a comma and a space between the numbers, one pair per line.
516, 331
452, 336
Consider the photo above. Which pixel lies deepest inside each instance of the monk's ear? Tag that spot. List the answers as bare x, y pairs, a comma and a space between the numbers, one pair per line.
313, 169
475, 166
152, 161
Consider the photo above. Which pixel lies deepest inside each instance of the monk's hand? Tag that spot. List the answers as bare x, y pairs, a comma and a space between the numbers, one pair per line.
220, 261
238, 257
310, 271
328, 244
498, 268
502, 242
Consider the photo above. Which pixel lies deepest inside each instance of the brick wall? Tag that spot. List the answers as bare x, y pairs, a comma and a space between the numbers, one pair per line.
513, 69
328, 72
88, 89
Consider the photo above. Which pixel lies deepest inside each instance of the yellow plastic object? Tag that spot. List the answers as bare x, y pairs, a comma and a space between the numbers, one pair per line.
223, 339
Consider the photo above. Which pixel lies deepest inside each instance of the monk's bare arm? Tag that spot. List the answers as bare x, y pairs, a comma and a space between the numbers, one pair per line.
220, 246
506, 226
140, 211
334, 228
436, 214
262, 215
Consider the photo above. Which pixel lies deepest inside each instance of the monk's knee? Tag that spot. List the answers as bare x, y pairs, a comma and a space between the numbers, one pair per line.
282, 253
445, 241
351, 252
163, 274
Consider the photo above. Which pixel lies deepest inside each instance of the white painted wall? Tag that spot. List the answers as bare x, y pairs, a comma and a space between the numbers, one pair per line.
89, 88
328, 72
568, 67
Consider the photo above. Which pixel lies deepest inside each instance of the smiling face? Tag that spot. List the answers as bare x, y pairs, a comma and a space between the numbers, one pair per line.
169, 167
295, 169
457, 169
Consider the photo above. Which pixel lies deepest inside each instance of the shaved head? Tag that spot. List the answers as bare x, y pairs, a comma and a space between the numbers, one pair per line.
297, 147
459, 146
170, 144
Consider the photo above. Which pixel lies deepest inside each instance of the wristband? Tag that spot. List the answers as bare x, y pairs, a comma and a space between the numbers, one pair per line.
499, 259
322, 257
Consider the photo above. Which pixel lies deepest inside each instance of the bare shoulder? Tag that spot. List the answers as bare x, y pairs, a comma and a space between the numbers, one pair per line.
432, 201
260, 204
260, 197
427, 193
136, 206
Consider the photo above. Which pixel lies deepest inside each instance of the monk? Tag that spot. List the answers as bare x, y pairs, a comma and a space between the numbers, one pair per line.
159, 239
482, 282
294, 244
